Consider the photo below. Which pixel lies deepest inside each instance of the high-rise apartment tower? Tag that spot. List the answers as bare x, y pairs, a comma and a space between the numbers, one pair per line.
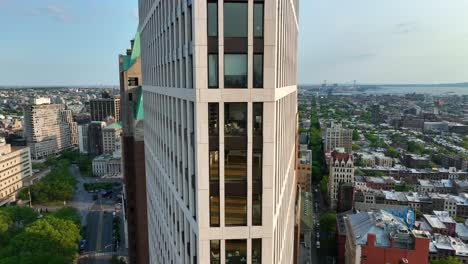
219, 82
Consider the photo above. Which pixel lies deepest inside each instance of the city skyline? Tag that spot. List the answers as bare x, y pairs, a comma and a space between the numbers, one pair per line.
79, 47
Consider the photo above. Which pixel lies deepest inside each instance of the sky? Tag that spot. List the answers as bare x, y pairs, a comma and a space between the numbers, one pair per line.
77, 42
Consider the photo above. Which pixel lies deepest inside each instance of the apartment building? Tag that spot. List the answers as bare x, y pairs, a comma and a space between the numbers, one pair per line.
338, 137
48, 128
219, 82
111, 138
341, 172
15, 166
105, 108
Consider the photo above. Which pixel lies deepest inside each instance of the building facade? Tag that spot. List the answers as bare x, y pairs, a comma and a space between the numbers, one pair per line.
111, 137
47, 129
103, 109
341, 171
338, 137
219, 82
95, 144
83, 141
15, 166
107, 166
133, 154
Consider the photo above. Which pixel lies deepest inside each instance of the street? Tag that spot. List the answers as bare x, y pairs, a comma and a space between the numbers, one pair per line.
96, 219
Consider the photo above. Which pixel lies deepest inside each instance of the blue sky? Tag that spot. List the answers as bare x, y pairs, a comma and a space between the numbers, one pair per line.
76, 42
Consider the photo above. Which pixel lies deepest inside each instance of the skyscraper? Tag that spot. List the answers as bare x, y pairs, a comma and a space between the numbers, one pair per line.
133, 154
104, 108
219, 82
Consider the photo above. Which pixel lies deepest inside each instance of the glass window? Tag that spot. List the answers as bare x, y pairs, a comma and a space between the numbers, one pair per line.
213, 70
258, 71
236, 251
235, 20
215, 252
257, 163
235, 70
213, 130
256, 251
235, 163
212, 19
258, 20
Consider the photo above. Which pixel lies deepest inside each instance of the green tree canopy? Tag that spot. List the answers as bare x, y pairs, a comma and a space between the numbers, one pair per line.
449, 260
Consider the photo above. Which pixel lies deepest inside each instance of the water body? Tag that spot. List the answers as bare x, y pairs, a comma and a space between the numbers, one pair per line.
433, 90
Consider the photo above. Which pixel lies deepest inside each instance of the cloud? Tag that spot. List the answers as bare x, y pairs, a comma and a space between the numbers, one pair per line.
55, 12
406, 27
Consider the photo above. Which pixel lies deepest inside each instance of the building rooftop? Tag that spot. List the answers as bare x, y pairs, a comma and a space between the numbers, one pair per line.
115, 125
441, 242
385, 226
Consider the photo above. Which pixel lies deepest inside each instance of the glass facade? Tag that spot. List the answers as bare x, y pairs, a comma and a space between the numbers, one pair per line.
257, 163
236, 251
258, 71
212, 19
235, 163
235, 70
215, 252
258, 20
235, 20
213, 71
256, 251
213, 131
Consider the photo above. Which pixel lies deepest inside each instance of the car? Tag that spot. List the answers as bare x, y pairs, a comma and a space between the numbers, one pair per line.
317, 235
83, 245
317, 244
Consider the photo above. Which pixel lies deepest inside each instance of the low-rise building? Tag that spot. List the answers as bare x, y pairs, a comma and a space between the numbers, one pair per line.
304, 168
107, 166
443, 246
380, 237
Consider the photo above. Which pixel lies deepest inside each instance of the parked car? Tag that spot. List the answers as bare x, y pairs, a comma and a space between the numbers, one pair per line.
317, 244
83, 246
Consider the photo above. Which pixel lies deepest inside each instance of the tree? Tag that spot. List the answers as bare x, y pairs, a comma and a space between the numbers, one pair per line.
47, 240
356, 147
356, 136
392, 152
449, 260
324, 185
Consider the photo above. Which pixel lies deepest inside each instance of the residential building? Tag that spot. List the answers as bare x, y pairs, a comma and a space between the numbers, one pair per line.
440, 222
416, 161
338, 137
111, 138
83, 139
341, 171
105, 108
380, 237
345, 197
456, 161
47, 129
304, 168
220, 104
15, 166
95, 144
443, 246
133, 155
375, 114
